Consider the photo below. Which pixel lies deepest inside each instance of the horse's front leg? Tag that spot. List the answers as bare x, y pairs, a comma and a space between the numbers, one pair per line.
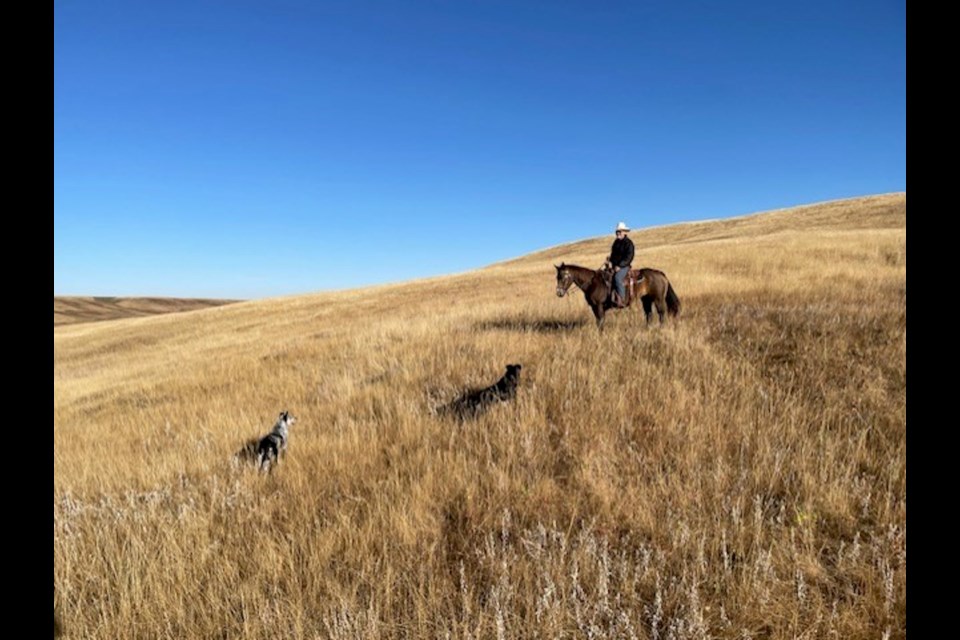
598, 313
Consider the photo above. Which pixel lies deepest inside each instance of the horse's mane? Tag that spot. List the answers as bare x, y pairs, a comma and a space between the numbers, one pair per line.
577, 267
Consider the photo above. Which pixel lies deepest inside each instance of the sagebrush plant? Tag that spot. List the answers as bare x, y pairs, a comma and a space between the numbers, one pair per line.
739, 473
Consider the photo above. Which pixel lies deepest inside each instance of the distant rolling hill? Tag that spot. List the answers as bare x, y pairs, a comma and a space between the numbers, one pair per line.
76, 309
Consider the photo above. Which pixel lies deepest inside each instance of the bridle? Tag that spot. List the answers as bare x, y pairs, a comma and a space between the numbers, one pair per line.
564, 280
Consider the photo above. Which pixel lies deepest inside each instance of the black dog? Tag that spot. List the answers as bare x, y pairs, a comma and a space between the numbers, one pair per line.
472, 403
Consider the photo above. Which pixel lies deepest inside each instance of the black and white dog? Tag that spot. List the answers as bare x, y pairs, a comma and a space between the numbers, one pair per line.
275, 442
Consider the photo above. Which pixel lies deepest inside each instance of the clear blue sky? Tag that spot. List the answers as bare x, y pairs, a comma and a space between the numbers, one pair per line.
245, 149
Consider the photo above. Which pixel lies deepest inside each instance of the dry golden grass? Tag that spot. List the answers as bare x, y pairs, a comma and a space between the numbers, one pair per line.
75, 309
739, 473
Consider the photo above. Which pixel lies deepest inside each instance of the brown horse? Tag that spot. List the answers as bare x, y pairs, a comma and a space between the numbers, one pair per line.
650, 285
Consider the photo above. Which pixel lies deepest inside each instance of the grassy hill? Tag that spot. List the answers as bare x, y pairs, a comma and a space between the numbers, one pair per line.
74, 309
738, 473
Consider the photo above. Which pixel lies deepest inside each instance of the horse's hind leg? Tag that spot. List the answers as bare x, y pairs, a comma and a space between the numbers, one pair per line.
661, 308
647, 307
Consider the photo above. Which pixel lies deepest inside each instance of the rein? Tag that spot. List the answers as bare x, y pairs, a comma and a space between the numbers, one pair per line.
573, 280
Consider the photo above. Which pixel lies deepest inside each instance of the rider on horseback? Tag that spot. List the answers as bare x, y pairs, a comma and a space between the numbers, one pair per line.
621, 255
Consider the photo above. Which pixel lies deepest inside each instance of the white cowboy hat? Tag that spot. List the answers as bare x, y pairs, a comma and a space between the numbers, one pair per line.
622, 227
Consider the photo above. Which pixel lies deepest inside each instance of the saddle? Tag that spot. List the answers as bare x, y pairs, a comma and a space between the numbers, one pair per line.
607, 272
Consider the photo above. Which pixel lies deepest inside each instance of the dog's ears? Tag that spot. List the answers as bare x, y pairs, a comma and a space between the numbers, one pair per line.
284, 414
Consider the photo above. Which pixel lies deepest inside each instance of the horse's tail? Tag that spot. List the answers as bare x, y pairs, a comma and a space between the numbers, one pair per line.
673, 302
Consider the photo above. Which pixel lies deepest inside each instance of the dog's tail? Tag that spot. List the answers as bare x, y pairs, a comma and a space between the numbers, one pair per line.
248, 452
249, 449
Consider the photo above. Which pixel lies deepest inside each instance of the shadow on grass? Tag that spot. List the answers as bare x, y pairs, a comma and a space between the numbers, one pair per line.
539, 325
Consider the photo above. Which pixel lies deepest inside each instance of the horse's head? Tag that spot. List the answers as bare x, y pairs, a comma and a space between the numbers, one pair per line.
564, 279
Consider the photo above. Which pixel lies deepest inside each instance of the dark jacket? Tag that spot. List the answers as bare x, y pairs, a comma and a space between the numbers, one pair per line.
621, 254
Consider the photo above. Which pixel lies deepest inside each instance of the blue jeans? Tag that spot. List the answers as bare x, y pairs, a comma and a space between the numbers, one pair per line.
618, 279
